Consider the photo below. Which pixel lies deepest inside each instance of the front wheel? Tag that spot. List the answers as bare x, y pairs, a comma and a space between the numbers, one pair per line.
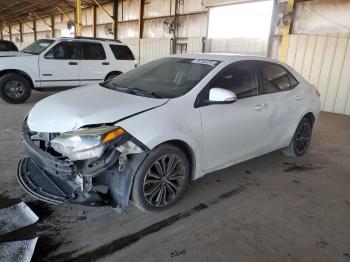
161, 179
301, 139
14, 88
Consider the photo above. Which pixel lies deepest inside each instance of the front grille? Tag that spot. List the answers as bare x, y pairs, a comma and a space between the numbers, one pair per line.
42, 185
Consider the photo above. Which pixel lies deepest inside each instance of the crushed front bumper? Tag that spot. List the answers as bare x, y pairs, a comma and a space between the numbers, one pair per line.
55, 180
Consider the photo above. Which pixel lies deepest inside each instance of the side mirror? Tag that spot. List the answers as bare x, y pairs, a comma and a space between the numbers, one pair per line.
221, 96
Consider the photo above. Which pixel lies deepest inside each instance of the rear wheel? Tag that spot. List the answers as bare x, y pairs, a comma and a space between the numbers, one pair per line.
111, 76
301, 139
14, 88
161, 179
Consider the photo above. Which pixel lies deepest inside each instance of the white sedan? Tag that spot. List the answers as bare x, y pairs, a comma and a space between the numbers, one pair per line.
145, 134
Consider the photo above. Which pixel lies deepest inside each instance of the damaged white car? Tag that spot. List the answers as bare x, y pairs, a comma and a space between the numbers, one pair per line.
145, 134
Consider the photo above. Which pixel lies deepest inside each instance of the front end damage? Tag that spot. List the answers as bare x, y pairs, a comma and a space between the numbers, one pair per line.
106, 180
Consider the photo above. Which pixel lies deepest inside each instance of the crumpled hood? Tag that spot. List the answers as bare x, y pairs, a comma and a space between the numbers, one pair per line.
13, 54
72, 109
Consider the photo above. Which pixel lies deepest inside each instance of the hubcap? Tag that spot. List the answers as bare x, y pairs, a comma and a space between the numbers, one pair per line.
14, 89
164, 180
303, 137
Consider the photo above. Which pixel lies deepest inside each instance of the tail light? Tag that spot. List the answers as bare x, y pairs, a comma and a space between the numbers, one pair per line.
135, 64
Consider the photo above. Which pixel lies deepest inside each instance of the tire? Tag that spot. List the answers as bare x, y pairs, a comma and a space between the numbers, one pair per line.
301, 139
111, 77
148, 183
14, 88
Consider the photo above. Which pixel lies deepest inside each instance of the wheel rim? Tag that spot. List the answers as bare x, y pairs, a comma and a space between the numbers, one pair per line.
164, 180
14, 89
303, 137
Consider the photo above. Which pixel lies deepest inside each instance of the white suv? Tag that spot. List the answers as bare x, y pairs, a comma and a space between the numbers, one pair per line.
63, 62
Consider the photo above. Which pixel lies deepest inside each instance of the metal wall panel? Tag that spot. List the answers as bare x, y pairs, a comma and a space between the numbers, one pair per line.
323, 60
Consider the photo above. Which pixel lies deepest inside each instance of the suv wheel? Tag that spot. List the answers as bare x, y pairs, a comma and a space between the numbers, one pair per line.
301, 139
161, 179
14, 88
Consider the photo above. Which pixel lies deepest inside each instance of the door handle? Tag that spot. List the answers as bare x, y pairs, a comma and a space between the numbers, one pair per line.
72, 63
260, 107
299, 97
105, 63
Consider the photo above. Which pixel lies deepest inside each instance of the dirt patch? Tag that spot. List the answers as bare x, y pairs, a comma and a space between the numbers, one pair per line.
299, 167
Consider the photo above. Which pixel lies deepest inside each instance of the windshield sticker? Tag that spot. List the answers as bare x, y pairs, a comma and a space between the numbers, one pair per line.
205, 62
44, 44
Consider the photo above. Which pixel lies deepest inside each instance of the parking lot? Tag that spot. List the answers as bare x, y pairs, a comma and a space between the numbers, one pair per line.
272, 208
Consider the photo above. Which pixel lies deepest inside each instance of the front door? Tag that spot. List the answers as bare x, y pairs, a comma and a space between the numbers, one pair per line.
60, 66
234, 132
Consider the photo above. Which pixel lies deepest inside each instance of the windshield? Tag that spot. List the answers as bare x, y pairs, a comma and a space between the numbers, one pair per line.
165, 78
38, 46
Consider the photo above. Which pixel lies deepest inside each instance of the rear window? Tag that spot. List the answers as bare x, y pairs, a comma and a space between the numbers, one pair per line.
93, 51
122, 52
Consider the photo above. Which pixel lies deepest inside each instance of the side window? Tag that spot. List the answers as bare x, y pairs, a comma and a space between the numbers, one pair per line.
276, 78
239, 78
64, 50
93, 51
122, 52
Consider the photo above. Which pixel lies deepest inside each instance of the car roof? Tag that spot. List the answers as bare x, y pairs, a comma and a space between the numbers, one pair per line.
230, 57
88, 39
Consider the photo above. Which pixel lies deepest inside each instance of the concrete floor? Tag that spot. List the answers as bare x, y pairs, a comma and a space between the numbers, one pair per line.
272, 208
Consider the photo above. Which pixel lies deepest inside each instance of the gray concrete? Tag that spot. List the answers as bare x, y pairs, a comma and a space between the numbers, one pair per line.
272, 208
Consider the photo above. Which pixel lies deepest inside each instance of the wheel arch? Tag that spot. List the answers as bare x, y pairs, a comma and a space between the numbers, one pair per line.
116, 72
186, 148
18, 72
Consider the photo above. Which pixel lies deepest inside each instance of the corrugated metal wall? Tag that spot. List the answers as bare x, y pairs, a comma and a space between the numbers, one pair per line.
324, 60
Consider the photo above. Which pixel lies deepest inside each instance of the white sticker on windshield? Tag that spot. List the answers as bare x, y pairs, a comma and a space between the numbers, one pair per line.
44, 44
205, 62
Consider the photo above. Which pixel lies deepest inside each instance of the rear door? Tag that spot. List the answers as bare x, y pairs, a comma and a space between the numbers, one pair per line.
280, 92
234, 132
94, 63
60, 66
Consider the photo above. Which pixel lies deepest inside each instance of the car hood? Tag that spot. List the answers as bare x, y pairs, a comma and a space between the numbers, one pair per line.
89, 105
13, 54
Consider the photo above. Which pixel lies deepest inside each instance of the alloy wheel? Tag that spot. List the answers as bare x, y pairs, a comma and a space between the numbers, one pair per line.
14, 89
164, 180
303, 137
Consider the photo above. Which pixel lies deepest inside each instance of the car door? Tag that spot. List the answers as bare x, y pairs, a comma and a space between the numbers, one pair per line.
94, 64
60, 66
234, 132
279, 92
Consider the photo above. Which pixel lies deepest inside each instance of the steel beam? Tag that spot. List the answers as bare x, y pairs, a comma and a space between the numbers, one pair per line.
53, 26
34, 29
286, 31
78, 17
115, 15
94, 20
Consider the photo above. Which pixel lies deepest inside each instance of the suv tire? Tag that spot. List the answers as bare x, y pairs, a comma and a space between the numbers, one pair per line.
14, 88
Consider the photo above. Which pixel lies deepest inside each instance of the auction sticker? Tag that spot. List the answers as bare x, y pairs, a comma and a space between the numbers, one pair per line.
205, 62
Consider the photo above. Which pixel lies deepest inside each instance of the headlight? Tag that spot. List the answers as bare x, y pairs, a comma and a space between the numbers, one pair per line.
86, 143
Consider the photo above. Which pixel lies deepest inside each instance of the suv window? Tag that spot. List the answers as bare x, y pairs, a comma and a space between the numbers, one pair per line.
65, 50
276, 78
93, 51
240, 78
122, 52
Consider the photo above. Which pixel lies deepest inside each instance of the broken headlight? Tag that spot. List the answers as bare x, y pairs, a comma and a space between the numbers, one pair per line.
86, 143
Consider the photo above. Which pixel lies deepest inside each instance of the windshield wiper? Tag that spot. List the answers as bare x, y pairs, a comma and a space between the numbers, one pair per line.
135, 91
144, 92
